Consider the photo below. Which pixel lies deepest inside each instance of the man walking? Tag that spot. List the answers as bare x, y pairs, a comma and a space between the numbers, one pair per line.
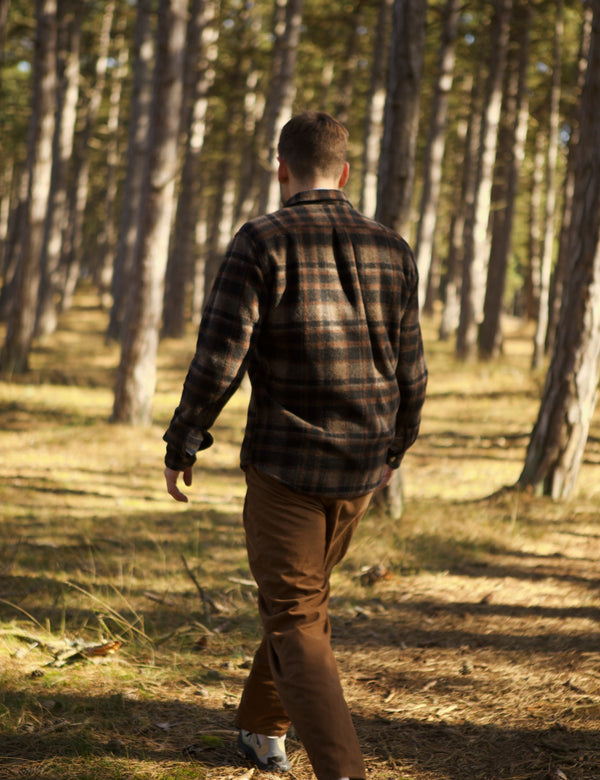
319, 305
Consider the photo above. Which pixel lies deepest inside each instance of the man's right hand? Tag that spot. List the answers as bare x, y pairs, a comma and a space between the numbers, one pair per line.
386, 477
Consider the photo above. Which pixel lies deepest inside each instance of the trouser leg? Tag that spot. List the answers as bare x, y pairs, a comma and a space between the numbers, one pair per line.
294, 541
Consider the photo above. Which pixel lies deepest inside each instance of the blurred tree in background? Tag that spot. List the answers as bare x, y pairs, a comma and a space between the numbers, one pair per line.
465, 128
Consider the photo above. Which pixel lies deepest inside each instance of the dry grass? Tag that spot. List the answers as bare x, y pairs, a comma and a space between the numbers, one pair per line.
477, 656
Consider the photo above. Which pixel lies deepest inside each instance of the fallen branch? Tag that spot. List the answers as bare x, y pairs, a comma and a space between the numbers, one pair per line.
200, 589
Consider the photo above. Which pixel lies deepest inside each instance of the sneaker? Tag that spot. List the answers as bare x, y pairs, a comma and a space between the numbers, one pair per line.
265, 752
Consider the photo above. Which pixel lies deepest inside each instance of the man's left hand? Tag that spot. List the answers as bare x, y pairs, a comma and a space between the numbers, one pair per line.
171, 477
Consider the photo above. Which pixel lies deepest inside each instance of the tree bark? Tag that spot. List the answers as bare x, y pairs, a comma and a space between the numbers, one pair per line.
472, 313
558, 439
436, 142
72, 254
374, 112
201, 53
455, 260
4, 6
56, 220
21, 325
539, 341
137, 150
280, 99
511, 146
107, 237
136, 375
401, 117
397, 162
558, 278
467, 218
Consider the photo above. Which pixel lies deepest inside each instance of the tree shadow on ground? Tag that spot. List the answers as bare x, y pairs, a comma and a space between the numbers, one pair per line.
69, 727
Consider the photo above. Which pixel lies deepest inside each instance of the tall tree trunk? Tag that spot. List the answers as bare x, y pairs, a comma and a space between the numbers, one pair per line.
436, 142
539, 340
455, 259
401, 118
21, 325
137, 150
558, 279
56, 220
72, 254
346, 81
467, 217
472, 314
397, 162
281, 95
532, 281
510, 154
15, 233
5, 200
107, 237
374, 112
136, 375
558, 439
201, 53
4, 6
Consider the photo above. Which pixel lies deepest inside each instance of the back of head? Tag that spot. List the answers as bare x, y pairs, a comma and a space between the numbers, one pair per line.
313, 144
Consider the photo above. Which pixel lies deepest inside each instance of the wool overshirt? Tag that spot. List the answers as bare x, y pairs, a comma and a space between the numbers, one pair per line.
319, 305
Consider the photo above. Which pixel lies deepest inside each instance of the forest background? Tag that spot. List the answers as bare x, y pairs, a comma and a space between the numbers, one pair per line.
135, 138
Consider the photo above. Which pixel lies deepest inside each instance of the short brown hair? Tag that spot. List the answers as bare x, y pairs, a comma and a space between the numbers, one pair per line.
313, 143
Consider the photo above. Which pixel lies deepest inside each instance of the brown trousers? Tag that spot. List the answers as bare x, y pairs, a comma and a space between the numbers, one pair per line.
293, 542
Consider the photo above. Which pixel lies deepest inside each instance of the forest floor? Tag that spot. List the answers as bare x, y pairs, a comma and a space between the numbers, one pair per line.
467, 632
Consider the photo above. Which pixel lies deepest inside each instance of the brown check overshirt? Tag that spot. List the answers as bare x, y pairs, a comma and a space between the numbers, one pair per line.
319, 304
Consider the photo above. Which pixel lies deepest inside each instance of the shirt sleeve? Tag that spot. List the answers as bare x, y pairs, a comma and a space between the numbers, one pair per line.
411, 375
229, 324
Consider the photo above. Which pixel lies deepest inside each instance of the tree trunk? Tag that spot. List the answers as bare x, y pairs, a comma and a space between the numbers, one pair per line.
454, 260
14, 237
472, 315
558, 279
436, 142
401, 117
397, 162
346, 82
56, 220
72, 254
107, 238
136, 375
558, 439
137, 149
466, 211
539, 341
374, 112
21, 324
281, 95
510, 154
201, 53
4, 5
532, 281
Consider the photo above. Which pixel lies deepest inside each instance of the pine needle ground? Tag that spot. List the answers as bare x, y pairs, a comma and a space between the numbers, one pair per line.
467, 631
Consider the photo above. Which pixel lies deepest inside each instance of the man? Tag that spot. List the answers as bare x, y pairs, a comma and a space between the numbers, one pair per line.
319, 305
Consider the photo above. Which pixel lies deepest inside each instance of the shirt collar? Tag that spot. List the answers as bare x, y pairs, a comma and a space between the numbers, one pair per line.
315, 196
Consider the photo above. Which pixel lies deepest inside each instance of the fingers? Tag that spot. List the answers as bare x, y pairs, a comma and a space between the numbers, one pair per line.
171, 479
386, 477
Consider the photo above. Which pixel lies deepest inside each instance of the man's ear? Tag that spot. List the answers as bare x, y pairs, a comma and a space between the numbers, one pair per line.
283, 172
345, 175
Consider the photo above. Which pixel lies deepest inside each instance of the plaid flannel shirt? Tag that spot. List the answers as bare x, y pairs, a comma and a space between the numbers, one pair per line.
319, 305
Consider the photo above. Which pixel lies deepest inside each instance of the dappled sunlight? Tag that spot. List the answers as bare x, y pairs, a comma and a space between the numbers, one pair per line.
473, 617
